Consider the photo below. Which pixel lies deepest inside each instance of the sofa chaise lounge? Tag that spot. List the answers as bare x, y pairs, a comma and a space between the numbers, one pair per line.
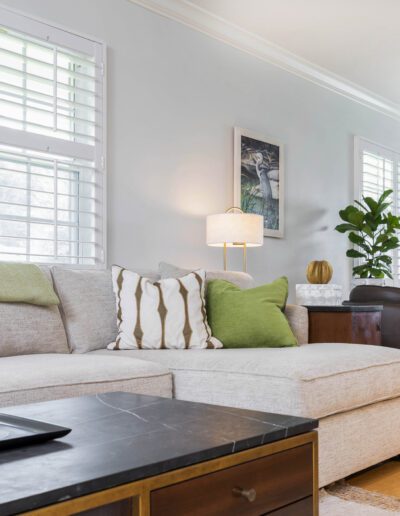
57, 352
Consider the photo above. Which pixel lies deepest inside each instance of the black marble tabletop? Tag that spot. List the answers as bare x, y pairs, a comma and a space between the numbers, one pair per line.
120, 437
344, 308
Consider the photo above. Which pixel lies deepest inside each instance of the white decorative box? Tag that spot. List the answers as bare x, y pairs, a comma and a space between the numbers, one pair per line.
319, 295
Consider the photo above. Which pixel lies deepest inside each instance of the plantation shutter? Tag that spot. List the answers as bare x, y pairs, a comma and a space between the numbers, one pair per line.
377, 170
52, 187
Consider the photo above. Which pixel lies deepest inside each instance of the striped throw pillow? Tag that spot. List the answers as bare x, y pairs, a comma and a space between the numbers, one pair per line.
167, 314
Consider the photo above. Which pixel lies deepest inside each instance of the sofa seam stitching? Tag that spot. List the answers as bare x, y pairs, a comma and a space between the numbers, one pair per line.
286, 377
87, 383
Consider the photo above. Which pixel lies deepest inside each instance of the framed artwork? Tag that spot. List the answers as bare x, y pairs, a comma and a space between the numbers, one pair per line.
259, 179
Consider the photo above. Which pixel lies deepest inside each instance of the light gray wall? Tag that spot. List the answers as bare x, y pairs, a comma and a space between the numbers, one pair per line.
173, 97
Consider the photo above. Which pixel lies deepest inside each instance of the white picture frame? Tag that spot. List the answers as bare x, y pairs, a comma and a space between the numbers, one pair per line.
259, 179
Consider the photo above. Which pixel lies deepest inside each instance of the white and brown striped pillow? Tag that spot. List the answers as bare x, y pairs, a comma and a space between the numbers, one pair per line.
167, 314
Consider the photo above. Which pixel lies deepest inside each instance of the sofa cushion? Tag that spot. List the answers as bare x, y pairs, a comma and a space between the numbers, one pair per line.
315, 380
297, 317
240, 279
30, 378
26, 329
87, 307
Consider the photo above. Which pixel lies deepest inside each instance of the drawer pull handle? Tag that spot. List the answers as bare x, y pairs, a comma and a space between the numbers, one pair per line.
248, 494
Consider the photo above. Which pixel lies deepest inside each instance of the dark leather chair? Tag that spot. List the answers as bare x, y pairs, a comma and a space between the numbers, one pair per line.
389, 297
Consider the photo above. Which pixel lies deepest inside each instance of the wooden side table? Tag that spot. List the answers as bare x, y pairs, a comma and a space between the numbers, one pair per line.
353, 324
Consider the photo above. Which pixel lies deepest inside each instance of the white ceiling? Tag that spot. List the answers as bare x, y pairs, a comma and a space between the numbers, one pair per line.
356, 39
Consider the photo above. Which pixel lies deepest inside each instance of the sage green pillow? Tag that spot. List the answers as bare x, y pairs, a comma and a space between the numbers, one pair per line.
251, 318
25, 283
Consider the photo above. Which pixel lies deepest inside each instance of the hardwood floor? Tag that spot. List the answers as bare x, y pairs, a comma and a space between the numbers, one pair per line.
384, 479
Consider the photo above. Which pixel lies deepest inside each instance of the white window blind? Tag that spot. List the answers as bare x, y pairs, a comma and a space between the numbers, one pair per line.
52, 187
377, 170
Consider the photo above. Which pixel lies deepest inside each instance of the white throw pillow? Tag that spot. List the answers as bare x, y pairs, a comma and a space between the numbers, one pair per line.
167, 314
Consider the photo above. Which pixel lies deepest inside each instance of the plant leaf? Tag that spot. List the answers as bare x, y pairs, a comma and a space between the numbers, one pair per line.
382, 207
356, 218
384, 258
371, 203
362, 206
377, 273
373, 221
355, 239
388, 245
384, 196
344, 214
352, 253
342, 228
382, 238
366, 228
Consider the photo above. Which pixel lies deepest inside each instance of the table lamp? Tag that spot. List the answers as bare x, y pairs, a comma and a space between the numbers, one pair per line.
235, 229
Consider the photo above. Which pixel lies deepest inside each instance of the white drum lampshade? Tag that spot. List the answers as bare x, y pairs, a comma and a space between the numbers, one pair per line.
232, 229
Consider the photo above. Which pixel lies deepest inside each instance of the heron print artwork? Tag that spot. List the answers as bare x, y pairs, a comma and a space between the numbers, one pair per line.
258, 179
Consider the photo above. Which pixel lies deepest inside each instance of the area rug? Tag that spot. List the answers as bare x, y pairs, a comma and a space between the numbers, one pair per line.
342, 499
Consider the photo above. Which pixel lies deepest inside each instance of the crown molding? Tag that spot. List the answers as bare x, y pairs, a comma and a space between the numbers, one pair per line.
183, 11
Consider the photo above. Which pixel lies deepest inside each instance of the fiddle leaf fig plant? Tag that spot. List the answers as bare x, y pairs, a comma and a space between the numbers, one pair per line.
371, 227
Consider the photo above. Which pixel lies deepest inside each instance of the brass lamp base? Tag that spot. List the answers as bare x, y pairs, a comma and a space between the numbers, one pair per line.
236, 244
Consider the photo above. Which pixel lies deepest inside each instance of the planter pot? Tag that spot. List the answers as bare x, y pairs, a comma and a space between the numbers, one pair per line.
371, 282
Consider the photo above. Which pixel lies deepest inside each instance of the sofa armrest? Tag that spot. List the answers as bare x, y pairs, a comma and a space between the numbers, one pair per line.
298, 320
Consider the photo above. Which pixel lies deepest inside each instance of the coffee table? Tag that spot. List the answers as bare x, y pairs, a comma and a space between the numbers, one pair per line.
135, 454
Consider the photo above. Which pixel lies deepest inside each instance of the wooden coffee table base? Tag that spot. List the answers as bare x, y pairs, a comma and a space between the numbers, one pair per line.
280, 479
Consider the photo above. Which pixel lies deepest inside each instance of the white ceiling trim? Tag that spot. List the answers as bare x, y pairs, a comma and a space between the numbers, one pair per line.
201, 20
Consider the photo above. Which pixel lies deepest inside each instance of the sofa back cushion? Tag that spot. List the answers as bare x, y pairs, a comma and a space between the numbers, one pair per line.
240, 279
28, 329
88, 307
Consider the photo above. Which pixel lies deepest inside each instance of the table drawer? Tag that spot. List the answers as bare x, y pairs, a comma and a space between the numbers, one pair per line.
302, 508
277, 480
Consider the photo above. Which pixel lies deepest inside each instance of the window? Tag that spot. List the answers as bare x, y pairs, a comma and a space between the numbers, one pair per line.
52, 185
377, 169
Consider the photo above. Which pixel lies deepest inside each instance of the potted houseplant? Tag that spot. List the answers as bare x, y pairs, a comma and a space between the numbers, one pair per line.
371, 228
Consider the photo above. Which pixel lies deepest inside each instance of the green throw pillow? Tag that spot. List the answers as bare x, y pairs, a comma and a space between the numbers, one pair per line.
25, 283
249, 318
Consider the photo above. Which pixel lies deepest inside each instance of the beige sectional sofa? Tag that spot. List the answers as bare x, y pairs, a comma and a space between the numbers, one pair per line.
354, 390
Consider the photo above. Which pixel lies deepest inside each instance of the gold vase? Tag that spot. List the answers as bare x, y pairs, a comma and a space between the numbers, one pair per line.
319, 272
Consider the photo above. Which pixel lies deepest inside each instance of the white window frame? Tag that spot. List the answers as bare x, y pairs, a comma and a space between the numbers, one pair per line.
59, 35
364, 144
